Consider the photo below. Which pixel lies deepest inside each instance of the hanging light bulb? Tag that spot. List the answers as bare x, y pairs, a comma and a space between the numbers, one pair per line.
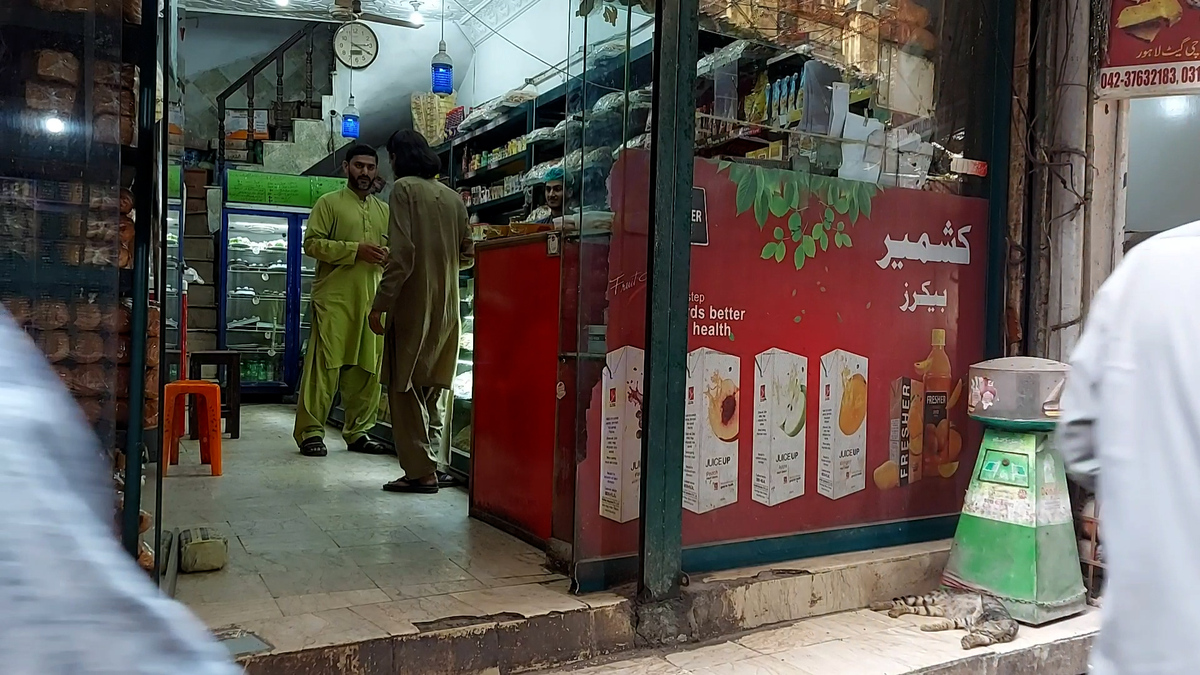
443, 71
350, 127
442, 66
416, 18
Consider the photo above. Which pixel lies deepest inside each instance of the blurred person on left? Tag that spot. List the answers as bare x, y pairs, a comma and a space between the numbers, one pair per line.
71, 599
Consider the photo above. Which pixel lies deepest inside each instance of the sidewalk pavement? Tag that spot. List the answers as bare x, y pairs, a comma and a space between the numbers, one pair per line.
866, 643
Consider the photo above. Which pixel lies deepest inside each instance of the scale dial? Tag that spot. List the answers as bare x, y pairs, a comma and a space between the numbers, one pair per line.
356, 45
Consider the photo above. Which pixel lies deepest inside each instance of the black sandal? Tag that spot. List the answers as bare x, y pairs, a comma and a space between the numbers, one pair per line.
313, 447
410, 486
368, 446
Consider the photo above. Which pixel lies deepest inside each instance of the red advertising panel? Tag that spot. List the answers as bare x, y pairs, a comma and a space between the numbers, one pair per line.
1153, 49
832, 324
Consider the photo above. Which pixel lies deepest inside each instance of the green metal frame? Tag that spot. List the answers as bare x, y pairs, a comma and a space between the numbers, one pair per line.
676, 26
661, 557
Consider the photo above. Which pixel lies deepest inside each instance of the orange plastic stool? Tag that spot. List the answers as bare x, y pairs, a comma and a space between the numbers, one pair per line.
208, 400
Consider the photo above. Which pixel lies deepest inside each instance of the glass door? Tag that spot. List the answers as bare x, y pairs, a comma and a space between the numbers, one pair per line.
256, 300
308, 269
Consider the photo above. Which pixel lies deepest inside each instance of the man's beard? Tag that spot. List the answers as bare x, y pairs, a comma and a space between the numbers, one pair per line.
363, 183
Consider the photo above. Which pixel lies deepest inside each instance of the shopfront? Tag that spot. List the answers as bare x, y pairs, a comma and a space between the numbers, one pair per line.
813, 229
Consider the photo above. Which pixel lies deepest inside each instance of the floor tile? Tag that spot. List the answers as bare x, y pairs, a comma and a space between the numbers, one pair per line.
220, 586
711, 655
757, 665
399, 617
529, 600
316, 580
373, 536
434, 589
320, 602
220, 614
297, 523
288, 541
396, 575
306, 631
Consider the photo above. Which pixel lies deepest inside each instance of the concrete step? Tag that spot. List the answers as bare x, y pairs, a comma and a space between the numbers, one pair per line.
310, 144
544, 625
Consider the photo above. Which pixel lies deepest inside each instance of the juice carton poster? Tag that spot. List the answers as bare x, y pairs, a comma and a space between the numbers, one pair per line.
813, 264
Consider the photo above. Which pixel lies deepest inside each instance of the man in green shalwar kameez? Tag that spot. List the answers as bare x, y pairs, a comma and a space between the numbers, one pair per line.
347, 235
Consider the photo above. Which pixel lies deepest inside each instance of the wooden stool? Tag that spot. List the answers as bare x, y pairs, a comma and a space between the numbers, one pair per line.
231, 386
207, 406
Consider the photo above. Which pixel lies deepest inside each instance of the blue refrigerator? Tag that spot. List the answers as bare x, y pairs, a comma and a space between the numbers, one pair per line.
263, 295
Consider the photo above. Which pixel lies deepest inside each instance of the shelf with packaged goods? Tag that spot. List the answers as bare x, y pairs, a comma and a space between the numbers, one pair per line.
512, 202
496, 170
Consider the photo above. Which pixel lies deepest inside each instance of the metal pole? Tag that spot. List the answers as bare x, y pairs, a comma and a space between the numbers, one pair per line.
668, 273
1001, 118
143, 200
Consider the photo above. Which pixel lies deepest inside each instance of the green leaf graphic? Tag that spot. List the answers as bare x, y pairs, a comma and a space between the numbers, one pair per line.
768, 251
779, 206
722, 165
867, 192
799, 257
841, 202
745, 192
796, 320
780, 252
790, 193
778, 233
809, 246
761, 209
829, 215
823, 240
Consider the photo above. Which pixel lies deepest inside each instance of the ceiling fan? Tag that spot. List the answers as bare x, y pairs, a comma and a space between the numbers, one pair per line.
345, 11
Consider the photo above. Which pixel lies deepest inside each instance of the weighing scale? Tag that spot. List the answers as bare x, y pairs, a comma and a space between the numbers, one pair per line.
1016, 536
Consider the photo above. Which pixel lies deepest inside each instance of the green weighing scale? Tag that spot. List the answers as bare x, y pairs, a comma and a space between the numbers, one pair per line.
1016, 536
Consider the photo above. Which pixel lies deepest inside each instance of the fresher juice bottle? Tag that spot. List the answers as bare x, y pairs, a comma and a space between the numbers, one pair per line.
937, 381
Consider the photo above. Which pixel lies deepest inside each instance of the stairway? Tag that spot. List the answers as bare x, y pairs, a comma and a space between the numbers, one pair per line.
310, 142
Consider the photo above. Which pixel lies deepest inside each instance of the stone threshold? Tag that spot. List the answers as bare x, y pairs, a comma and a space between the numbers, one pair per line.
547, 633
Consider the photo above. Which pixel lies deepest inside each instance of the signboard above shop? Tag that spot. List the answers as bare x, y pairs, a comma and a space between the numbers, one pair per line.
1153, 49
256, 187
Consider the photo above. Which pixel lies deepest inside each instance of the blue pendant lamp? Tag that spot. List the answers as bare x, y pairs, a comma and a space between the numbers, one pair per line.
350, 126
442, 66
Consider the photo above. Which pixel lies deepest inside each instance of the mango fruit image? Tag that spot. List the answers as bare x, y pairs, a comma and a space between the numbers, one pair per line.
853, 409
887, 475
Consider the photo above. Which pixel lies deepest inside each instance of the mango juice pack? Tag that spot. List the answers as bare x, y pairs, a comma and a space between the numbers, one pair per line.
841, 466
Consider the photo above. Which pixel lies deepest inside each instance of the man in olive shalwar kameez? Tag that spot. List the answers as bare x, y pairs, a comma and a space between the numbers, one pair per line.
430, 242
347, 234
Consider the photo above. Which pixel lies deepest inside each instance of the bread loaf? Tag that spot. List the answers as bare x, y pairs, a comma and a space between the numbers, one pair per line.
126, 202
116, 318
88, 347
99, 254
88, 316
107, 129
56, 66
91, 380
150, 414
104, 197
151, 383
50, 314
19, 309
52, 97
71, 252
100, 228
93, 408
133, 11
153, 319
55, 344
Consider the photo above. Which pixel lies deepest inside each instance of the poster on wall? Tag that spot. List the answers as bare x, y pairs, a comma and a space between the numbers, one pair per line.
1153, 49
831, 326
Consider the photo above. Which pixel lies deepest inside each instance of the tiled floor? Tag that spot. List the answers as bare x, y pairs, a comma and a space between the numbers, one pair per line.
319, 554
850, 643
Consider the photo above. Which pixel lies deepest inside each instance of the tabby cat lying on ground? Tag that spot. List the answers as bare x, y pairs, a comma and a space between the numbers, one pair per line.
986, 621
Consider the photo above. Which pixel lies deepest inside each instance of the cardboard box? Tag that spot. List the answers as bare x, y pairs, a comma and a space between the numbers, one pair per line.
905, 428
780, 426
711, 425
841, 466
621, 435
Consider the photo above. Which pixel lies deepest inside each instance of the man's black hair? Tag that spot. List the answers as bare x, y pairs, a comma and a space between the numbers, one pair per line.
412, 156
361, 151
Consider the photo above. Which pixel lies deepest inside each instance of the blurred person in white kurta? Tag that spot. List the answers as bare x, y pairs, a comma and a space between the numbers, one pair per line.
1131, 429
72, 601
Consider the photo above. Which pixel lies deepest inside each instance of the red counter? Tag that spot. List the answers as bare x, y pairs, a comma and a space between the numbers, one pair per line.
517, 283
